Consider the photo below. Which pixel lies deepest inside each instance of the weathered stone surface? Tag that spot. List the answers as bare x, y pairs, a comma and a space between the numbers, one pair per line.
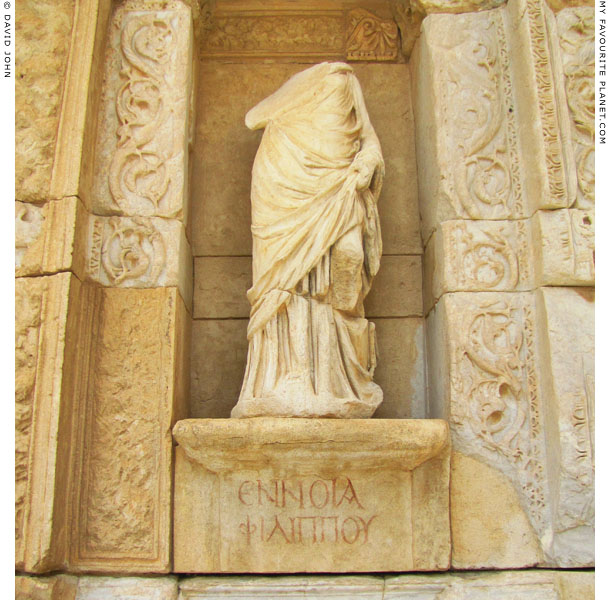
511, 585
221, 169
513, 374
397, 291
454, 6
56, 587
567, 327
143, 127
564, 245
275, 588
51, 326
127, 588
478, 256
483, 361
401, 370
140, 252
488, 526
558, 5
221, 283
138, 385
219, 351
576, 29
42, 31
294, 495
74, 160
50, 238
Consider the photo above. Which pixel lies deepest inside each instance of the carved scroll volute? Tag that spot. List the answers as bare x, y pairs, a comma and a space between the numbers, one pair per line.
370, 37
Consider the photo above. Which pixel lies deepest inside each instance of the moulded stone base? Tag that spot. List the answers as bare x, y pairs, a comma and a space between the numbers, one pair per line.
271, 495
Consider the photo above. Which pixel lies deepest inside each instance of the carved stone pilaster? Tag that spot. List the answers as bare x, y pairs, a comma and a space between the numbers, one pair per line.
142, 148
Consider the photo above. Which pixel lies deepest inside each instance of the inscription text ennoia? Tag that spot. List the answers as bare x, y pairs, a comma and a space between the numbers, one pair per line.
297, 511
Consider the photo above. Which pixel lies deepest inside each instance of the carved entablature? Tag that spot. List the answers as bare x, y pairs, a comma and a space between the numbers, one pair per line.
310, 34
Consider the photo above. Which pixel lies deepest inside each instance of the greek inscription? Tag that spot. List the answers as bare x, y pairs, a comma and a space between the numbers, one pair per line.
296, 521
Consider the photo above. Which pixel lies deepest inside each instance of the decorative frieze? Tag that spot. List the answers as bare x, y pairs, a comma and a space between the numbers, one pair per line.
309, 34
142, 146
576, 28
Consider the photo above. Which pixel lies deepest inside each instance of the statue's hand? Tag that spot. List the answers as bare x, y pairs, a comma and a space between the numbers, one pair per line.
364, 170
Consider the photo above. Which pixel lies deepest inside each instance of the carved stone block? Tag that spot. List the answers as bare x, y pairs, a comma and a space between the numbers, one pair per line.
483, 373
133, 588
513, 375
540, 105
143, 128
576, 29
564, 242
43, 44
468, 155
567, 324
292, 495
477, 256
140, 252
55, 587
50, 238
51, 326
137, 387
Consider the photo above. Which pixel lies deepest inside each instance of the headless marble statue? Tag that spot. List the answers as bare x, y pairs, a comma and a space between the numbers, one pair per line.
317, 245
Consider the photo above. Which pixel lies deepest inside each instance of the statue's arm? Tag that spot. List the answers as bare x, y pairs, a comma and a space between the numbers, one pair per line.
369, 160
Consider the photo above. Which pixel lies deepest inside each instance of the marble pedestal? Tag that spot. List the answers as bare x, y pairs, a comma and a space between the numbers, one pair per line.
271, 495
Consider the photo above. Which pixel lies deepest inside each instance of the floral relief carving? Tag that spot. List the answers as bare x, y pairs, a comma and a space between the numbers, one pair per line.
577, 41
276, 34
496, 397
138, 171
485, 261
486, 174
126, 249
371, 38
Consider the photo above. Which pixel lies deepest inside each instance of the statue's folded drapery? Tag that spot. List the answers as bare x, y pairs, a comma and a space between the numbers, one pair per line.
317, 244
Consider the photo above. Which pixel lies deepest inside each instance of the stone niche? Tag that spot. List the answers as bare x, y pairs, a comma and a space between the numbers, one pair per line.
132, 312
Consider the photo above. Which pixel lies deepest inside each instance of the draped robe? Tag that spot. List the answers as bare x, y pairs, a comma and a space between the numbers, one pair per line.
316, 248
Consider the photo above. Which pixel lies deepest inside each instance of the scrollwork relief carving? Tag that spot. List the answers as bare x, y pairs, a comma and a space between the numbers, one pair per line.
577, 40
487, 262
124, 249
487, 172
496, 397
371, 38
277, 34
138, 170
